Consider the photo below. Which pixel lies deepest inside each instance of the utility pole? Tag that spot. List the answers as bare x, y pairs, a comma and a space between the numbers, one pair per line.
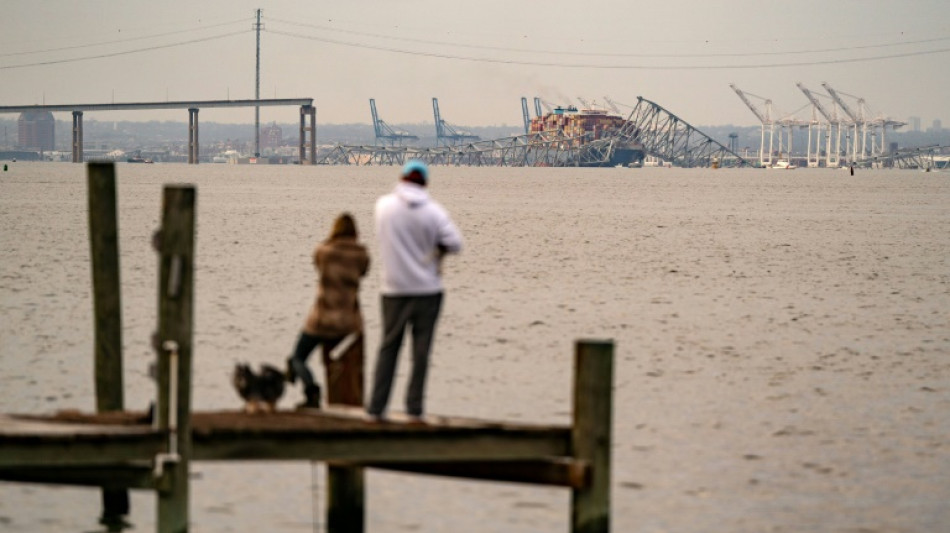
257, 89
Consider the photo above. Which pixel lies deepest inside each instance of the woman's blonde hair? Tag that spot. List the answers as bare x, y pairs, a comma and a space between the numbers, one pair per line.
343, 226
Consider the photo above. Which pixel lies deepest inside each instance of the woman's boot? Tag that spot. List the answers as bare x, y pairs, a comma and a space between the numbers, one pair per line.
312, 401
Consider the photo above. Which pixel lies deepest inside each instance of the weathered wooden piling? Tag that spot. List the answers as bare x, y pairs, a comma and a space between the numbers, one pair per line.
176, 245
107, 305
346, 490
106, 287
591, 434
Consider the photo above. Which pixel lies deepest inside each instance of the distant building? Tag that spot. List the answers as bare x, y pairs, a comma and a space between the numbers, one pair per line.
36, 131
914, 123
272, 136
937, 125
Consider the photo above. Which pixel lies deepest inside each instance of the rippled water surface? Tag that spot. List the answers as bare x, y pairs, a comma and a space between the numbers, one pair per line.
781, 337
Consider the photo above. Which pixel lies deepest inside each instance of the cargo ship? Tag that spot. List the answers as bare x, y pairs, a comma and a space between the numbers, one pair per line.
588, 125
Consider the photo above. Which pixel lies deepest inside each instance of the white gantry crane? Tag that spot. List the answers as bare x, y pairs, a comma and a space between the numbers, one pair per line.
855, 145
861, 118
833, 132
765, 158
789, 123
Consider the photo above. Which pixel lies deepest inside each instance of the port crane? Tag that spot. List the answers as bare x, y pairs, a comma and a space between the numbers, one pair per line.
384, 132
856, 120
765, 158
537, 107
861, 117
446, 134
870, 126
526, 115
832, 153
789, 123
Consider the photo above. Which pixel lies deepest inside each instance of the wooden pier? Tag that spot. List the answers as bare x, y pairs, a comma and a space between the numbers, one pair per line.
119, 450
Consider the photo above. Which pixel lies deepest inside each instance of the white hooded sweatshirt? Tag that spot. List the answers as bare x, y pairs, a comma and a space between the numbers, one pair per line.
410, 226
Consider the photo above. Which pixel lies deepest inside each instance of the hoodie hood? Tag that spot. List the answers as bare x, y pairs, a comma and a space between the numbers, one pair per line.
413, 195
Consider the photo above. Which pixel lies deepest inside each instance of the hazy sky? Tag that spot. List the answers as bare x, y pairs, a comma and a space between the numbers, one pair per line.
479, 57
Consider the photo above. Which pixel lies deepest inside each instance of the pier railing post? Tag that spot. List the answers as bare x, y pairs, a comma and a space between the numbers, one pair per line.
176, 246
107, 304
591, 434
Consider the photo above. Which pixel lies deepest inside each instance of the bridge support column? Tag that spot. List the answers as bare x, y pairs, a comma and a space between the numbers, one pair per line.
193, 136
77, 137
308, 144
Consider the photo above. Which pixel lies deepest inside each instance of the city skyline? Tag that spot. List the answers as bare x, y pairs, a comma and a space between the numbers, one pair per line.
479, 60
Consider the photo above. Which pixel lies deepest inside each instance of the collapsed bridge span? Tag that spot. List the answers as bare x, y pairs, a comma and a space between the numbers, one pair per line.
565, 138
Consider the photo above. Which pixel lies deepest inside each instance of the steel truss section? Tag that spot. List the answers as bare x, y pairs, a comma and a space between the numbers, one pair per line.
668, 137
934, 157
539, 149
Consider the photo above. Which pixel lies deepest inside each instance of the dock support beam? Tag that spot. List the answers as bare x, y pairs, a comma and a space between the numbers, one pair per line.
591, 434
77, 137
176, 246
308, 143
193, 136
107, 304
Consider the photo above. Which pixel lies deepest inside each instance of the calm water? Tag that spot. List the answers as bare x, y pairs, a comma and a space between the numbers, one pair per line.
723, 290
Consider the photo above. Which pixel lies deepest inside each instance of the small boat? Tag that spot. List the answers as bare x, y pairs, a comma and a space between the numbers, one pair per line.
138, 159
784, 164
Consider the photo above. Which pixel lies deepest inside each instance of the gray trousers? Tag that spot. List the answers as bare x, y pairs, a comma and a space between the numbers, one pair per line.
399, 312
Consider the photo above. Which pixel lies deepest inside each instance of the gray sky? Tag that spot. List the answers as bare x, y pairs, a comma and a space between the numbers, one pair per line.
478, 58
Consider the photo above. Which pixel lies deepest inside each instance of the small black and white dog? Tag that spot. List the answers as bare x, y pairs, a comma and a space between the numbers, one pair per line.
260, 391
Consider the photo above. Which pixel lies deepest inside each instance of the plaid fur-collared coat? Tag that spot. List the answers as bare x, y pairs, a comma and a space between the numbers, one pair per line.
340, 263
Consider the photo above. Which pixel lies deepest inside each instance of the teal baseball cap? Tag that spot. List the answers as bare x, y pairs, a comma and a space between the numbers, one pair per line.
416, 165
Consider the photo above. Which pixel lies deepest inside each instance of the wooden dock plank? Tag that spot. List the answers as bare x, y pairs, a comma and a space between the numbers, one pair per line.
31, 442
327, 435
132, 476
341, 434
363, 447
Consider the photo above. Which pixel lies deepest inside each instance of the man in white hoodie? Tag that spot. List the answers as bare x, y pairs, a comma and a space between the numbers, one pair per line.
413, 232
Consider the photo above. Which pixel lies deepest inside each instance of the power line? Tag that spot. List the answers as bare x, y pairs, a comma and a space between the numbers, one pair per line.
130, 39
611, 54
122, 53
610, 67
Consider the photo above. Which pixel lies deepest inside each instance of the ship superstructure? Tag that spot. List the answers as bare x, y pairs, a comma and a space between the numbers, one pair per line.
584, 126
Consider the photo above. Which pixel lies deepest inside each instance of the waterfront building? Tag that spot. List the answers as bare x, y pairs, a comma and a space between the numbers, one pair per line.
36, 131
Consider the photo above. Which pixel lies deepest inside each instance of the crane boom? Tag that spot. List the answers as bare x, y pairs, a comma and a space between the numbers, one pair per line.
832, 119
376, 128
439, 124
763, 118
613, 107
526, 115
547, 106
841, 102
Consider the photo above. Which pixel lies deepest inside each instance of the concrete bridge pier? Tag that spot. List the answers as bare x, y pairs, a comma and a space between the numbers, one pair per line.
193, 135
308, 143
77, 137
